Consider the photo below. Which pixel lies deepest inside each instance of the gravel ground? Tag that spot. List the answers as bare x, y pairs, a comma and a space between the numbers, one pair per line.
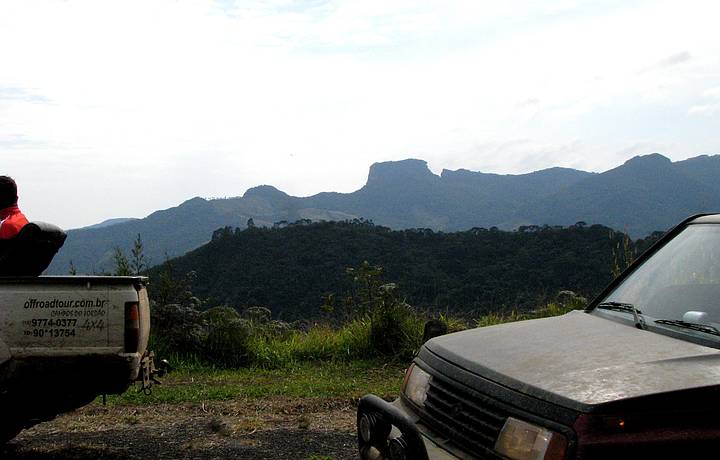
277, 428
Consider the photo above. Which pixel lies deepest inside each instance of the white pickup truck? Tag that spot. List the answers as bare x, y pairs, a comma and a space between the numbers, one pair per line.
65, 340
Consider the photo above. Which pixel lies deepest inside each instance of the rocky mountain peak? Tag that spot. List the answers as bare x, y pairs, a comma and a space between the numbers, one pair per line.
650, 160
265, 191
390, 172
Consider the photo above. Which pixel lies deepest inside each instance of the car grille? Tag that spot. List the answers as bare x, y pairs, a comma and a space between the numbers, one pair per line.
468, 419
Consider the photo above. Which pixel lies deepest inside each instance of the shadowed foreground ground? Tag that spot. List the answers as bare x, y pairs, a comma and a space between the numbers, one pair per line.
277, 428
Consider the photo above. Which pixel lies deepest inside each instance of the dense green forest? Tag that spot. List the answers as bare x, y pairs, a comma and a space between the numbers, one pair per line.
293, 269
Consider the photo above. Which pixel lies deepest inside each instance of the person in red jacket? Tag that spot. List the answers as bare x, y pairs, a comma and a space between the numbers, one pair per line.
11, 219
26, 249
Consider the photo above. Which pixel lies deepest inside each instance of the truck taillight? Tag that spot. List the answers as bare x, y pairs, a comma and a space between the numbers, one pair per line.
132, 327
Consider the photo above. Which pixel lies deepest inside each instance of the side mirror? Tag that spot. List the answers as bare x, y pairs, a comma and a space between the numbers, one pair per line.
698, 317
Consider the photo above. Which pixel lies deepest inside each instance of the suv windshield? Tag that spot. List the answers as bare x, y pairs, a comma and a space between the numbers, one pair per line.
679, 285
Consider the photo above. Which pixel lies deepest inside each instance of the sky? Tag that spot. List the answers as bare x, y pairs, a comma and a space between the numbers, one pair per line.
118, 109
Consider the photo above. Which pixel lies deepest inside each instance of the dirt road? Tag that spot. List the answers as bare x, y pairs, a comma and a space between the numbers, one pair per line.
275, 428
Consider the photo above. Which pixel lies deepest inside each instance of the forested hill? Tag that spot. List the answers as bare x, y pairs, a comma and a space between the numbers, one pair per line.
290, 269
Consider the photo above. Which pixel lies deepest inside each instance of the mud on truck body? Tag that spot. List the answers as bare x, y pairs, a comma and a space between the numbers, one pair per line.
635, 375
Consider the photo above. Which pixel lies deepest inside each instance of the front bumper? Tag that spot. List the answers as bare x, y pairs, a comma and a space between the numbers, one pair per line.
394, 424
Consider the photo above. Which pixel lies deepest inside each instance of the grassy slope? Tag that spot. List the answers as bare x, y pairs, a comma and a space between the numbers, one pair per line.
317, 364
336, 380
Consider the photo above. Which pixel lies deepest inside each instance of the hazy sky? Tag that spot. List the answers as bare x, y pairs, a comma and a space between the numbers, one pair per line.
117, 109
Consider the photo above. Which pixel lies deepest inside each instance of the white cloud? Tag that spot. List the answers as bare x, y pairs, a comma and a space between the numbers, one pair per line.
713, 92
705, 109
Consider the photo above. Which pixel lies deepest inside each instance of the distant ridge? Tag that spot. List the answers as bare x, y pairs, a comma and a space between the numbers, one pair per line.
107, 223
645, 194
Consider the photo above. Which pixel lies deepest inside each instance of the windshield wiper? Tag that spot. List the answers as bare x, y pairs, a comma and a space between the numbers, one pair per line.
626, 307
706, 328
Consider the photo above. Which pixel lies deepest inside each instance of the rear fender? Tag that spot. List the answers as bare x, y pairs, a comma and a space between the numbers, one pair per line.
144, 302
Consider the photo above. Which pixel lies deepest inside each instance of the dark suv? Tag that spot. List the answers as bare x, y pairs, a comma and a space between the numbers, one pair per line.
635, 375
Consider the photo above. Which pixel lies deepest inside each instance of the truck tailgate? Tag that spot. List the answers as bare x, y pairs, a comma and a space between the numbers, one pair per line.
66, 315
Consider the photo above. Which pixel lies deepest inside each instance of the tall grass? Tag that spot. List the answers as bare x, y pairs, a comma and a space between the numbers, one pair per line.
323, 342
260, 346
320, 343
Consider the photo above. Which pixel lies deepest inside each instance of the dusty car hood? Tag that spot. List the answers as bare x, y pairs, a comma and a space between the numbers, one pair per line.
580, 359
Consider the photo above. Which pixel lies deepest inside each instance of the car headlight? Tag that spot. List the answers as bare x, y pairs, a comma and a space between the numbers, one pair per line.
520, 440
416, 385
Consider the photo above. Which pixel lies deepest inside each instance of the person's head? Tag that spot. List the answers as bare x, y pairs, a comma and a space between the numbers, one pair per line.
8, 192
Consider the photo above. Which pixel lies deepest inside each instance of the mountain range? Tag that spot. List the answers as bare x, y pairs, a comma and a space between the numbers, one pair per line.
645, 194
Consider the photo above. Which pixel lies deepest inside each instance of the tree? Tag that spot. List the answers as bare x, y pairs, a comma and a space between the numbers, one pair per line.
137, 263
367, 278
122, 265
624, 254
168, 288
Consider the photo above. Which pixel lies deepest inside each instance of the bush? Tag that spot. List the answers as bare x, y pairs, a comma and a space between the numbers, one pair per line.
570, 300
228, 335
176, 329
395, 329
